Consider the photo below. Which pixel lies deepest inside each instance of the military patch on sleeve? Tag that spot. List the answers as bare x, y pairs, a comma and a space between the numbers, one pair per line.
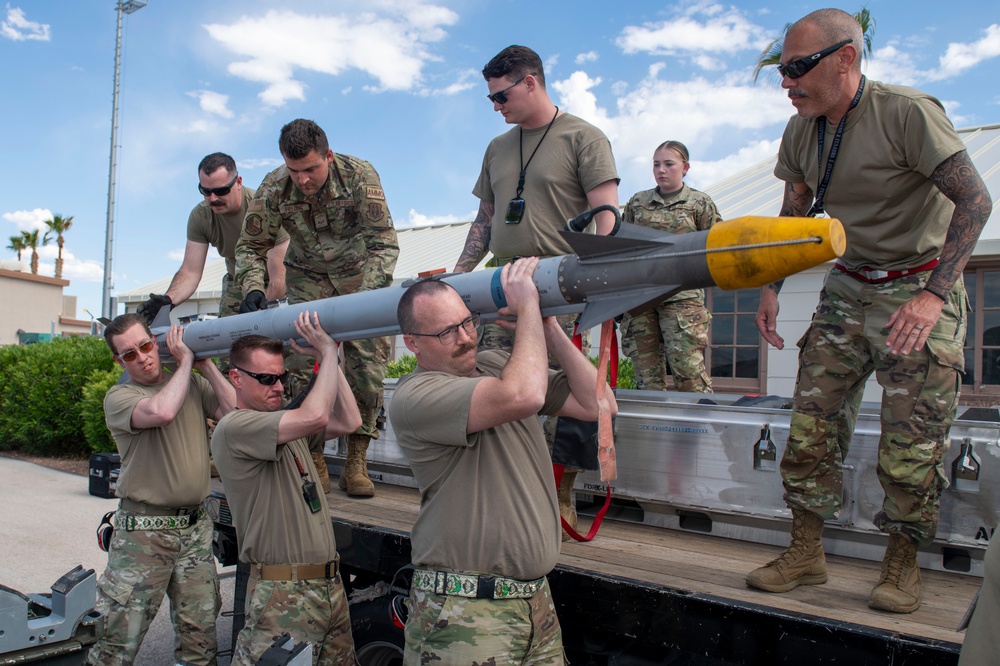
255, 206
253, 225
376, 211
373, 192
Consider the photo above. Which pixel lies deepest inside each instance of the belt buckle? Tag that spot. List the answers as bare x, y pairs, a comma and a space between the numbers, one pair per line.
874, 273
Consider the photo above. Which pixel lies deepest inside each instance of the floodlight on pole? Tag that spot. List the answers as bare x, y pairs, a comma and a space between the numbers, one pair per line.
123, 7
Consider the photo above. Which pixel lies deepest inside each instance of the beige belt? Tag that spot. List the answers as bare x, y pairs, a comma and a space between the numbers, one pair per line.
296, 571
474, 586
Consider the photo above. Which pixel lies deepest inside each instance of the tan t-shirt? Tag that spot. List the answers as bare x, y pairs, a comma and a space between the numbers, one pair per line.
222, 231
487, 499
264, 488
894, 217
574, 158
165, 466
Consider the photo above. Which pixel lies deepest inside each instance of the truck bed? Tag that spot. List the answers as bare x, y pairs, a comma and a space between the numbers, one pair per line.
705, 574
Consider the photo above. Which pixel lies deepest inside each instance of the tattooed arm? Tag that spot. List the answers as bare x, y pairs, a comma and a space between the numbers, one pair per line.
477, 243
958, 179
796, 203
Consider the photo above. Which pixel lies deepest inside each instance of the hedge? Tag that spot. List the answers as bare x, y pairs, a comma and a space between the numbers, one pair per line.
95, 428
41, 394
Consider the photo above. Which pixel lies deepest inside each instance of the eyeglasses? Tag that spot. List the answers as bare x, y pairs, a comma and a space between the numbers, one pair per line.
800, 67
265, 378
500, 96
448, 336
131, 354
218, 191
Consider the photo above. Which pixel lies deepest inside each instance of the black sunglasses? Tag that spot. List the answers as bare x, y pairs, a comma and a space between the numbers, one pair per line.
264, 378
800, 67
500, 96
218, 191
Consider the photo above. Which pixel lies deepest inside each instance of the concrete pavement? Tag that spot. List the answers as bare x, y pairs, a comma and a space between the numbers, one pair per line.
48, 527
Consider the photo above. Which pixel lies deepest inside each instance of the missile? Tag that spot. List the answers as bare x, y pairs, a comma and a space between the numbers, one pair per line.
604, 277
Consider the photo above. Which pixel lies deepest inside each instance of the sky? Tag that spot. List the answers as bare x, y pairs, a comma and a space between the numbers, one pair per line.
398, 83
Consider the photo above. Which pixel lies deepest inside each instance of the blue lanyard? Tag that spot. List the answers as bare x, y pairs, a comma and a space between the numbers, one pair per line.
817, 207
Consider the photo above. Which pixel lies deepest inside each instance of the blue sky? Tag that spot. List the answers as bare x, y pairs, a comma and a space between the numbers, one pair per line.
397, 82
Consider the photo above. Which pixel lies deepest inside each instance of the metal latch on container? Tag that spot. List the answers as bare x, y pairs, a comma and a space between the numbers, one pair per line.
965, 468
765, 454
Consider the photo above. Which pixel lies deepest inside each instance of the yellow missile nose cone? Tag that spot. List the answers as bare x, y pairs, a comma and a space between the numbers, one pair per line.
753, 251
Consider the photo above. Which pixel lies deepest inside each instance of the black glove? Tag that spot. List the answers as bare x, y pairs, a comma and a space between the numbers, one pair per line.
151, 308
254, 301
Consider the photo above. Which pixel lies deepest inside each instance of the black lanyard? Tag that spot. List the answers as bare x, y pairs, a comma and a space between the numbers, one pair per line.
524, 167
817, 207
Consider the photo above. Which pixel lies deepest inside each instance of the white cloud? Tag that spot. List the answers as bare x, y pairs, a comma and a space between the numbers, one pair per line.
722, 30
420, 220
960, 57
589, 56
269, 163
17, 28
390, 46
29, 220
213, 102
467, 80
176, 255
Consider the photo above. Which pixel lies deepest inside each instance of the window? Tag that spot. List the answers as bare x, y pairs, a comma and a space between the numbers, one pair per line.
981, 379
736, 354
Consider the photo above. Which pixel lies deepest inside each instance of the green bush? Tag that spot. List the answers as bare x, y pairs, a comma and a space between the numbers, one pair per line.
42, 392
95, 429
403, 365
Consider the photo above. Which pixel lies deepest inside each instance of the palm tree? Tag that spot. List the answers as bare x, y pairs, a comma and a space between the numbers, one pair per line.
59, 225
772, 54
33, 240
17, 245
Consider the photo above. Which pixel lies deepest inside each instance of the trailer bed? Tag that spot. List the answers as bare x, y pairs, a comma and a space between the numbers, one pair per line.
696, 583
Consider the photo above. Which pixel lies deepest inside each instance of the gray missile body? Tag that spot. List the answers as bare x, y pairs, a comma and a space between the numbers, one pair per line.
606, 276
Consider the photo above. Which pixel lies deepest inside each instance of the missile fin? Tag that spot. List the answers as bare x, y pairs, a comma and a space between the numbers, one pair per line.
635, 238
162, 318
608, 306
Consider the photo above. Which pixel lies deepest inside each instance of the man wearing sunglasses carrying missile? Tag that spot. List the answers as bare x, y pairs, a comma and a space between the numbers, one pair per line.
162, 541
280, 512
218, 221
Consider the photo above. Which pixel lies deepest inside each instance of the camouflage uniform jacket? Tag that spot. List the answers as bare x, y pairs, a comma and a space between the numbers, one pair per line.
344, 232
689, 210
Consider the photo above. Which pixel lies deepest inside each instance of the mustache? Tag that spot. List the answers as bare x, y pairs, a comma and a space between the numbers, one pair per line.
795, 92
463, 349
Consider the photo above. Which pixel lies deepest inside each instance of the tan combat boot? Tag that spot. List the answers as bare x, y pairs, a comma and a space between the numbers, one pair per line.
802, 563
354, 477
321, 471
566, 507
898, 588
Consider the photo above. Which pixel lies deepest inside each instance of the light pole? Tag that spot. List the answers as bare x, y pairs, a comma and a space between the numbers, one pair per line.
124, 7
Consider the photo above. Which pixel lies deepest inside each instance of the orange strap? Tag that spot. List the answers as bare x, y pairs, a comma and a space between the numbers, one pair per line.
605, 434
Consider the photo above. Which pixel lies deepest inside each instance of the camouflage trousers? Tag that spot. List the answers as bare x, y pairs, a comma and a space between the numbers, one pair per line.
444, 629
495, 337
843, 345
232, 296
674, 336
365, 359
142, 567
310, 611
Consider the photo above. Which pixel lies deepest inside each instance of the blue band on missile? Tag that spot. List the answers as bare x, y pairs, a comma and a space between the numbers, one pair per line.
497, 291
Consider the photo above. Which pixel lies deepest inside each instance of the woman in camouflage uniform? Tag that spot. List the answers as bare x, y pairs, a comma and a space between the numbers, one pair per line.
674, 334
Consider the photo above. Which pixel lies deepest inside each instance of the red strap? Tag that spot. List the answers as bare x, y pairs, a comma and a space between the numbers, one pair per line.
608, 341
